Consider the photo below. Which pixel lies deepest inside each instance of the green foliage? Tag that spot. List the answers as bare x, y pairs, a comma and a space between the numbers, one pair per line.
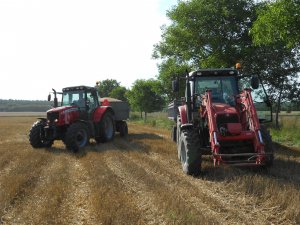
278, 21
168, 71
119, 93
203, 34
156, 119
143, 96
106, 86
206, 33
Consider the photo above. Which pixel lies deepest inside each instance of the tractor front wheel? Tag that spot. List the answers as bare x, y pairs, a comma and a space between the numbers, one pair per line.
77, 137
268, 145
190, 153
37, 137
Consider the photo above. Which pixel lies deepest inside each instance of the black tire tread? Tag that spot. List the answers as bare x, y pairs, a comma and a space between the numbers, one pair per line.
269, 148
123, 129
70, 137
35, 136
191, 163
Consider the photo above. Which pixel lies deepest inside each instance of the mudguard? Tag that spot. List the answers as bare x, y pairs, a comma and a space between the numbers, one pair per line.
182, 114
100, 111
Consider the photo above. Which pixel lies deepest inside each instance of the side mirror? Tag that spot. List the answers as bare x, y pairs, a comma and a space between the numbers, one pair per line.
254, 82
175, 85
49, 97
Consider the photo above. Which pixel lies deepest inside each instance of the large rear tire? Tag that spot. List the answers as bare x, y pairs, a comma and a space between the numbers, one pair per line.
37, 137
269, 149
77, 137
106, 128
190, 153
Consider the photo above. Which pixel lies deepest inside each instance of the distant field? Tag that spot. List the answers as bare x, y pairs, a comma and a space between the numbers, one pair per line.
34, 114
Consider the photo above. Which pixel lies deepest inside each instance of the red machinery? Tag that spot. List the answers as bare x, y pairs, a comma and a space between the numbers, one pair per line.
214, 117
80, 117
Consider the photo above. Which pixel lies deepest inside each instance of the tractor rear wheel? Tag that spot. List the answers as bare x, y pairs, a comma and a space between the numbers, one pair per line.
106, 128
190, 153
77, 137
268, 145
37, 137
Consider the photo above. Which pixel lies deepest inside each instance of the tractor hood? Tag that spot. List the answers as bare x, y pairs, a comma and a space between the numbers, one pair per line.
221, 108
63, 115
63, 108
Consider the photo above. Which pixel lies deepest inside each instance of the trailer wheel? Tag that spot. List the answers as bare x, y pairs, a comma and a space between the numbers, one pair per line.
123, 129
268, 145
106, 128
37, 136
76, 137
190, 153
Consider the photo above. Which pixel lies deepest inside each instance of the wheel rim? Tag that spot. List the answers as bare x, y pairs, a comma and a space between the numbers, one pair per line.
182, 153
81, 138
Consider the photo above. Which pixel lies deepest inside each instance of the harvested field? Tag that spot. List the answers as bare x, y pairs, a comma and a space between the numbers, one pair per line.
137, 180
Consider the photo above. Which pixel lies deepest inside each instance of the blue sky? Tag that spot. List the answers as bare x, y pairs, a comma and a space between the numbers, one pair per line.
59, 43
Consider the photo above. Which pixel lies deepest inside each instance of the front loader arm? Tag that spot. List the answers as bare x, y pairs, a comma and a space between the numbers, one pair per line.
209, 111
249, 111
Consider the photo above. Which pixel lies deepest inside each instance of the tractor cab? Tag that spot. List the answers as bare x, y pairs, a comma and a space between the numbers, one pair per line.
223, 84
83, 97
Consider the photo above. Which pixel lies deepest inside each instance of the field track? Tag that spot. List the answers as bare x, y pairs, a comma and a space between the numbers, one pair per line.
137, 180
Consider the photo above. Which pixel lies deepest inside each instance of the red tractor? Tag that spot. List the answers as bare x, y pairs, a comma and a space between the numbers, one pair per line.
215, 118
80, 117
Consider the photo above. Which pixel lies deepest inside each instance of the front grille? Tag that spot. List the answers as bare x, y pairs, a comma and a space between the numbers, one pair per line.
226, 118
51, 116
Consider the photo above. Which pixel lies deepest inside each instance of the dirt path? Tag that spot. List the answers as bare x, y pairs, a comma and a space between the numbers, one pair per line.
137, 180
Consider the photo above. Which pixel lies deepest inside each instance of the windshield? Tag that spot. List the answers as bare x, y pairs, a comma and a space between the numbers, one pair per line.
223, 88
76, 98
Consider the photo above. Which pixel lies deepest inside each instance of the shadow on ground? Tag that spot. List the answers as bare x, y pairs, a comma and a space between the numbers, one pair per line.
133, 142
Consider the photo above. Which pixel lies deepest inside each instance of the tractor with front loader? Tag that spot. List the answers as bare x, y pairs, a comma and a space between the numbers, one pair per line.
81, 116
215, 118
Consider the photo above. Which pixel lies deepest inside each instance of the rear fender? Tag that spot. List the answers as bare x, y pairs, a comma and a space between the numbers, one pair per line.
100, 111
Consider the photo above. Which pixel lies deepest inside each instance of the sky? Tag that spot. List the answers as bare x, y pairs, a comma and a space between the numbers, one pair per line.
61, 43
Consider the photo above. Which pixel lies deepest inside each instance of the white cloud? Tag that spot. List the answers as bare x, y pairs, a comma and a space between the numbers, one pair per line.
58, 43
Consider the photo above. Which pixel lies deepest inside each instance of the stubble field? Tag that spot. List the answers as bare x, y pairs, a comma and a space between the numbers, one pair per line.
137, 180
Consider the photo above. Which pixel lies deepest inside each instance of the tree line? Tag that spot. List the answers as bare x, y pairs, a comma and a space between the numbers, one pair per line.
11, 105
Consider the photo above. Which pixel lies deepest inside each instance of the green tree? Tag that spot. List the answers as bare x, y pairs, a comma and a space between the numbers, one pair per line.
206, 33
278, 21
203, 34
143, 96
119, 93
105, 87
277, 67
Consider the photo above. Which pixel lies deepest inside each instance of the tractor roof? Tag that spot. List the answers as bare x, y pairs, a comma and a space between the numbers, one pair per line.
77, 88
214, 72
